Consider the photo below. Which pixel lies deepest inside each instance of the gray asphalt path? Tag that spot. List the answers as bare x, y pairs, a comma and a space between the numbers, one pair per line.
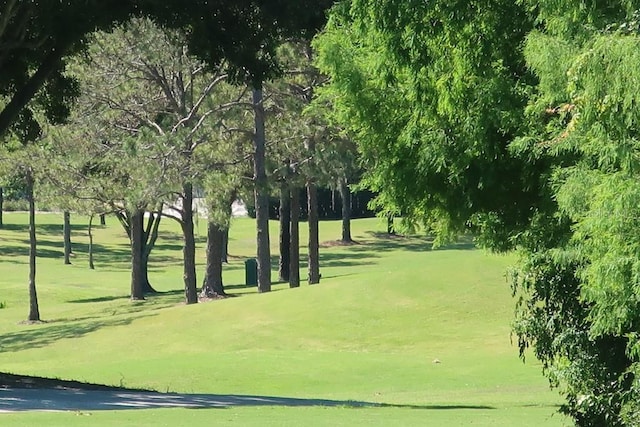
18, 400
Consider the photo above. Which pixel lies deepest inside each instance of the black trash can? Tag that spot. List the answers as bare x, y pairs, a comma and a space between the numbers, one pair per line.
251, 272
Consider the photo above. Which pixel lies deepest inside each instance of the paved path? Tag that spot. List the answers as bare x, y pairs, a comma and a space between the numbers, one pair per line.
18, 400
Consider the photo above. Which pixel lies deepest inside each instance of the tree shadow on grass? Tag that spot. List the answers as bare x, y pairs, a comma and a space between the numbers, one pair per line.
99, 299
47, 248
348, 258
239, 286
46, 333
22, 250
48, 229
384, 242
34, 399
115, 257
170, 236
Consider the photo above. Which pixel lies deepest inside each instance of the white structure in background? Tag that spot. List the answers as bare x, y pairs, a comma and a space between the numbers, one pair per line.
238, 208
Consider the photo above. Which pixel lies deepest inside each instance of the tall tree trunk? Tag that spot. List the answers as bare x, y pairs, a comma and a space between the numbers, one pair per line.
294, 247
225, 230
144, 267
189, 248
34, 311
148, 242
136, 235
314, 238
90, 231
145, 240
1, 206
345, 195
213, 285
284, 214
225, 245
391, 229
261, 194
66, 231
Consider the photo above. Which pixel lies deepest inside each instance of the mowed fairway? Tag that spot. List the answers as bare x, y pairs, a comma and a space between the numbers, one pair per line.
396, 334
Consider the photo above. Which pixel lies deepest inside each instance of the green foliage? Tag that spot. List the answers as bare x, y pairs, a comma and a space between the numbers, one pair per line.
434, 107
38, 35
150, 119
591, 132
590, 372
524, 130
35, 36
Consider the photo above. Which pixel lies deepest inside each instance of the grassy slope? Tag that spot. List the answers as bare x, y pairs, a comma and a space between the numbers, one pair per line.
370, 332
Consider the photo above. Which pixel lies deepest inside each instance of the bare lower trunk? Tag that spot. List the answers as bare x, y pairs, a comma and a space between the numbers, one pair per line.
314, 238
189, 248
213, 285
66, 231
144, 243
264, 252
225, 246
294, 247
144, 266
345, 195
391, 230
261, 195
90, 232
136, 234
148, 242
34, 311
284, 214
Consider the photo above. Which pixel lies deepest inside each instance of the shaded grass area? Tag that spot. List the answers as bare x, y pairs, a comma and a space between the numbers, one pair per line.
46, 333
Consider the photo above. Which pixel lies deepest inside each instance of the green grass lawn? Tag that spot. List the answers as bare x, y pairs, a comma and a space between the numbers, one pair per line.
372, 332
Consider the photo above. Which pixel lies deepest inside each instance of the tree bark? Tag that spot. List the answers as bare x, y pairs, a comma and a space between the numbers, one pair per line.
314, 239
261, 194
345, 195
391, 230
225, 246
284, 214
189, 247
213, 285
90, 232
34, 310
148, 242
147, 288
66, 231
294, 246
147, 237
136, 234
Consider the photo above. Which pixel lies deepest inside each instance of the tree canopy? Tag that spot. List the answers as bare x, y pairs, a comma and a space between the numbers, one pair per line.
454, 84
516, 121
36, 36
